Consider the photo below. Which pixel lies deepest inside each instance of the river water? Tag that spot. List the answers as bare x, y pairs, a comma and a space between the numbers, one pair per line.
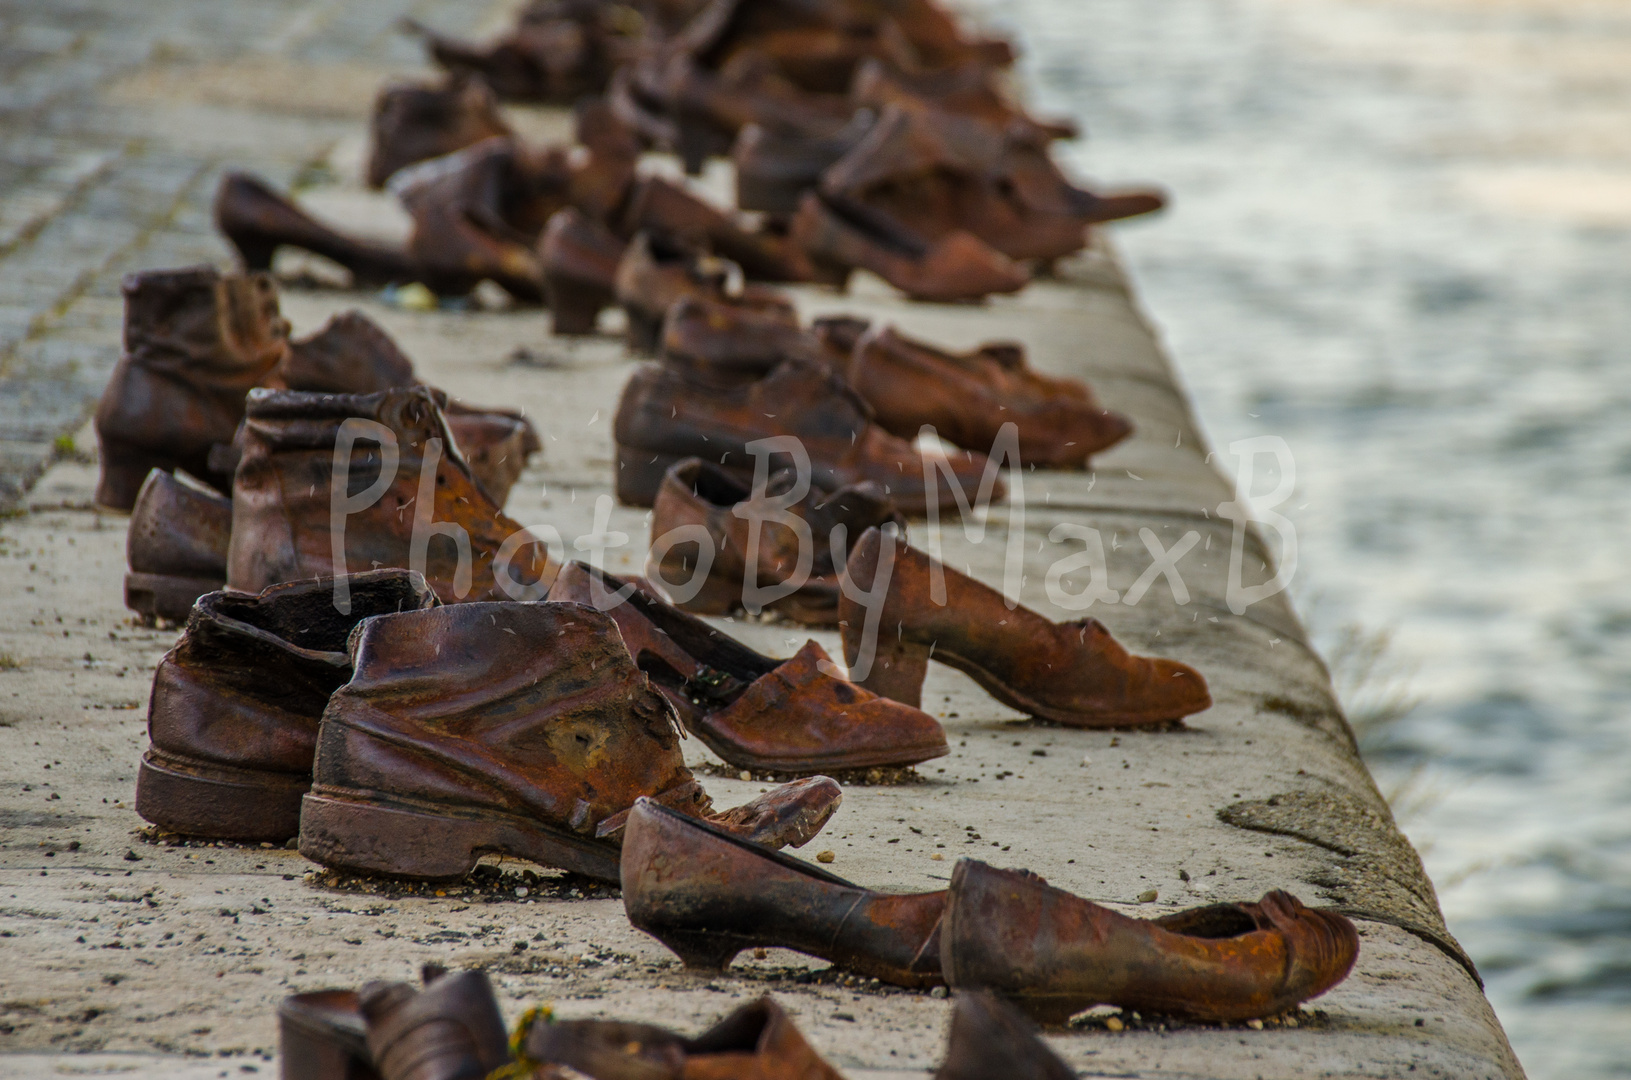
1401, 240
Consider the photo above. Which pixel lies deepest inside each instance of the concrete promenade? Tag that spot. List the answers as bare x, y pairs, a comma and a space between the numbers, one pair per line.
121, 954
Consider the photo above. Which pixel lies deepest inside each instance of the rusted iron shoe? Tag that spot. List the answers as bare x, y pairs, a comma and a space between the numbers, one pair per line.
417, 121
753, 711
775, 167
558, 51
523, 729
176, 546
667, 414
708, 895
656, 272
287, 512
323, 1035
579, 258
1054, 954
659, 206
232, 723
754, 1040
699, 496
725, 340
450, 1030
992, 1040
196, 341
971, 89
257, 221
1071, 673
968, 398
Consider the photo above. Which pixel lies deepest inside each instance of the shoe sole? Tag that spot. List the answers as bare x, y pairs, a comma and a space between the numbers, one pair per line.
891, 757
216, 801
363, 836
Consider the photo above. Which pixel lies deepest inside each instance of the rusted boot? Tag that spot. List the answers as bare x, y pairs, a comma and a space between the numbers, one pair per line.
1055, 955
417, 121
558, 51
725, 340
196, 341
708, 895
667, 414
176, 547
285, 516
1071, 673
579, 258
322, 1035
992, 1040
774, 168
450, 1030
698, 496
523, 729
655, 273
235, 705
257, 221
666, 209
753, 711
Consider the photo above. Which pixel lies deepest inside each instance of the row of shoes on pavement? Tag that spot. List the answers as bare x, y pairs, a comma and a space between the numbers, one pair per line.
863, 136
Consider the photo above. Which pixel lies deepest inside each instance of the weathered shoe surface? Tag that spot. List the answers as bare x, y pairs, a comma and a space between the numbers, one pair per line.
1054, 954
656, 272
282, 511
519, 728
1071, 673
697, 495
774, 168
579, 258
257, 221
992, 1040
176, 546
232, 722
754, 711
556, 53
708, 895
667, 414
417, 121
731, 339
196, 341
450, 1030
323, 1035
662, 207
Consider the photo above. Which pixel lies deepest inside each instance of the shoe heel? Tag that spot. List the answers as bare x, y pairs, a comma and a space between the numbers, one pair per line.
575, 305
195, 799
645, 331
165, 596
254, 250
360, 837
897, 669
124, 469
640, 474
698, 950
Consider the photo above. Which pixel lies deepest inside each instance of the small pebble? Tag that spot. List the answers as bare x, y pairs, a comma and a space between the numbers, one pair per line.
1113, 1023
521, 890
1148, 896
744, 775
937, 857
1255, 1025
939, 992
1086, 760
825, 856
1290, 1021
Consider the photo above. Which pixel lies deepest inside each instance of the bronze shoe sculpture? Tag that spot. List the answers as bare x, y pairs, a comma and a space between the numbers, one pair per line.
417, 121
1054, 954
657, 272
518, 728
664, 208
697, 495
992, 1040
288, 516
196, 341
1071, 673
232, 722
323, 1035
708, 895
176, 546
450, 1030
558, 51
257, 221
579, 258
723, 340
755, 712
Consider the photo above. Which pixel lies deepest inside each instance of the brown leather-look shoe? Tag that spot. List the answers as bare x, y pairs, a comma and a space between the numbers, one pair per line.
557, 53
450, 1030
257, 221
774, 167
992, 1040
967, 399
417, 121
724, 339
1054, 954
667, 414
196, 341
754, 711
696, 494
579, 257
518, 728
322, 1035
232, 722
283, 509
655, 272
176, 546
660, 206
1072, 673
708, 895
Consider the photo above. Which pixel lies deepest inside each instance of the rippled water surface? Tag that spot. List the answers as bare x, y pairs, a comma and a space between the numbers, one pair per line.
1401, 239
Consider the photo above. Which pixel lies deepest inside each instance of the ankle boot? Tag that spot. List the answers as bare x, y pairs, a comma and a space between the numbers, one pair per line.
708, 895
655, 273
697, 495
1071, 673
195, 342
233, 718
753, 711
257, 221
282, 507
450, 1030
992, 1040
176, 546
1055, 955
523, 729
416, 121
579, 258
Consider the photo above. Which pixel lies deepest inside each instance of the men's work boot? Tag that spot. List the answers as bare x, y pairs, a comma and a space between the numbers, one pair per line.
176, 546
196, 341
287, 518
579, 258
992, 1040
755, 712
1054, 954
517, 728
232, 722
450, 1030
417, 121
708, 895
655, 273
1071, 673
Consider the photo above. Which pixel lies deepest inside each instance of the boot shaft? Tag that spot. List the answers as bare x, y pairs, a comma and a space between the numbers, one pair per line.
217, 331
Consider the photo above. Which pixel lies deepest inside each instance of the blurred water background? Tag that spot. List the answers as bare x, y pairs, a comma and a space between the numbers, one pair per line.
1401, 240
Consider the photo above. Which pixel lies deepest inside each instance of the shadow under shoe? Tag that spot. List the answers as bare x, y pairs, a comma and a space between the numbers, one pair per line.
754, 711
708, 895
232, 721
1071, 673
992, 1040
176, 546
1054, 954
